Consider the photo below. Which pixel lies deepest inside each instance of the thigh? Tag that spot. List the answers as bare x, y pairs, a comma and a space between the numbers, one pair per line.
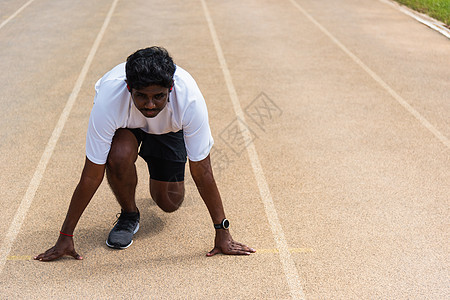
165, 155
165, 170
166, 183
169, 146
166, 159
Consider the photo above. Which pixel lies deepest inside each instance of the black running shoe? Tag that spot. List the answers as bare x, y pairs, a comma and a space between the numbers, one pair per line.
121, 236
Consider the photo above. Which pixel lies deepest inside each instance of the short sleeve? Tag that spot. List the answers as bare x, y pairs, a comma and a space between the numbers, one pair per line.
197, 133
103, 122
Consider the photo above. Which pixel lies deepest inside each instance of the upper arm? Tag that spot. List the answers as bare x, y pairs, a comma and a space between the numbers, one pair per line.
196, 130
106, 116
194, 116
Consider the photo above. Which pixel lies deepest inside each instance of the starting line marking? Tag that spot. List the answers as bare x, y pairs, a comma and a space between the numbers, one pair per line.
291, 250
20, 257
258, 251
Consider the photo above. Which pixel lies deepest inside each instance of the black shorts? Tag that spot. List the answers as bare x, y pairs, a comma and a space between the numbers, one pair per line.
165, 154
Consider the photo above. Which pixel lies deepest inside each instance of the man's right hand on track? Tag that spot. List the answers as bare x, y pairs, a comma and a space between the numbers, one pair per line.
64, 246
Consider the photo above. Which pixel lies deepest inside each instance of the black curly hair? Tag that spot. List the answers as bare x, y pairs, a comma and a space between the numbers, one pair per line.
150, 66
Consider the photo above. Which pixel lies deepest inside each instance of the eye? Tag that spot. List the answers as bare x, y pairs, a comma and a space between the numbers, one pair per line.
140, 96
159, 96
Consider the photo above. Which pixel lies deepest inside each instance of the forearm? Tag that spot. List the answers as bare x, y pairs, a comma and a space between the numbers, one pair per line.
203, 176
82, 195
90, 180
206, 185
210, 194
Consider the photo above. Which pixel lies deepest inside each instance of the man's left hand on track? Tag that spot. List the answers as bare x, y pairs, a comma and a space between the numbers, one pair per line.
225, 244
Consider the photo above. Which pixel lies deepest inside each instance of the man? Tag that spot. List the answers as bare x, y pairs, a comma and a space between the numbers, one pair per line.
151, 108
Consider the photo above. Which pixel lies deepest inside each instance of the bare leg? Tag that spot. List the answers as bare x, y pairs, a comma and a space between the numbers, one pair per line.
167, 195
121, 169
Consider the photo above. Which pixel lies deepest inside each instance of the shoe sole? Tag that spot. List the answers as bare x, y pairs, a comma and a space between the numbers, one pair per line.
123, 247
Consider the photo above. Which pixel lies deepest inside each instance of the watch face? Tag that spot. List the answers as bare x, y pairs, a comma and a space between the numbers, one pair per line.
226, 224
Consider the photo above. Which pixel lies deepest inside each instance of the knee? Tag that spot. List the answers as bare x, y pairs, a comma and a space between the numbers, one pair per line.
121, 156
169, 208
168, 203
118, 158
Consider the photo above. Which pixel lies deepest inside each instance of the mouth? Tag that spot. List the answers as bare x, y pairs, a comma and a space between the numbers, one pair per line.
150, 113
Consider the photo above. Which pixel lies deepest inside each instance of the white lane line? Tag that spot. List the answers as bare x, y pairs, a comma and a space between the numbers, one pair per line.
15, 14
424, 19
289, 267
25, 204
377, 78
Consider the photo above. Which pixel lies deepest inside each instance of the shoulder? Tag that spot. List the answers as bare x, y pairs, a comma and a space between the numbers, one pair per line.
113, 82
115, 77
189, 100
186, 90
182, 79
111, 95
181, 73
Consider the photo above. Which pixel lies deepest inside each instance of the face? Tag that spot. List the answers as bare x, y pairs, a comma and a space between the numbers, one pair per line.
150, 100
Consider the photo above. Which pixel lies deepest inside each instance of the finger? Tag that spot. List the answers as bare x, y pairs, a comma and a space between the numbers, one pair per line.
50, 257
238, 252
39, 256
76, 255
248, 249
213, 252
46, 253
240, 247
50, 250
239, 244
245, 247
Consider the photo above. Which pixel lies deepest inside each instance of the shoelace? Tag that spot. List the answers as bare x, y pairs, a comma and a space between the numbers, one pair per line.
117, 218
124, 224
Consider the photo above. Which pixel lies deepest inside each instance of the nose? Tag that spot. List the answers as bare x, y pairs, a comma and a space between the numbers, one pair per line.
150, 104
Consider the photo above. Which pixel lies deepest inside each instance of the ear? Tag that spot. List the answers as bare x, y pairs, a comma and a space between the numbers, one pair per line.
128, 87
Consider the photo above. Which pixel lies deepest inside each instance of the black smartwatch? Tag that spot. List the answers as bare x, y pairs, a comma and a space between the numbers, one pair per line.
225, 224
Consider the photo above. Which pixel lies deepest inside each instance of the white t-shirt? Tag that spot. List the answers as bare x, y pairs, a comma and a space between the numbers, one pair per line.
113, 109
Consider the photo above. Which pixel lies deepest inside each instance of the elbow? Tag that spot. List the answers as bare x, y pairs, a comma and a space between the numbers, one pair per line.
201, 171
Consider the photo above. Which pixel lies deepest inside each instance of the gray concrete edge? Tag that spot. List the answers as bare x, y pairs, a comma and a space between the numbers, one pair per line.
422, 18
